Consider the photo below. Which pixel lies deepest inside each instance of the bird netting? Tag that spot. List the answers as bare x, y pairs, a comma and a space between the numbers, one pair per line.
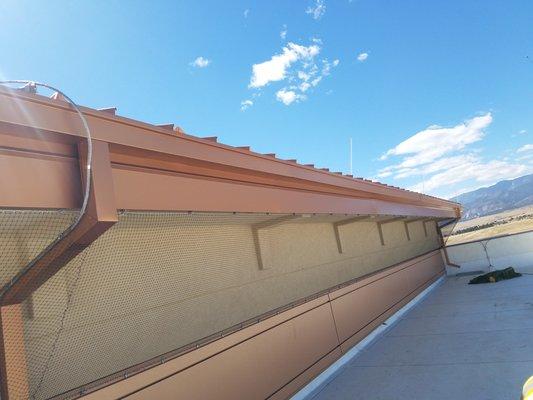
158, 284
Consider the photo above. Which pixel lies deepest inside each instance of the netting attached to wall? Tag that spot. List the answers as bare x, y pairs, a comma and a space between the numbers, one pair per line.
26, 233
157, 282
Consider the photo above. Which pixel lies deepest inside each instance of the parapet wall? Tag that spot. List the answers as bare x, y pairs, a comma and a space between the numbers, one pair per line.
515, 250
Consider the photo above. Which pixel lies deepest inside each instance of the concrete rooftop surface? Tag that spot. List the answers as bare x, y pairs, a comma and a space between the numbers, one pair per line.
460, 342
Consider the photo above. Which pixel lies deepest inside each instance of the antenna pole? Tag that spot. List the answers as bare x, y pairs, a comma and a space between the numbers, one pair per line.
351, 157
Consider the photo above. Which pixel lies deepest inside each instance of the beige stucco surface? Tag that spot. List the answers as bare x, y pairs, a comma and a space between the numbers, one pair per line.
158, 281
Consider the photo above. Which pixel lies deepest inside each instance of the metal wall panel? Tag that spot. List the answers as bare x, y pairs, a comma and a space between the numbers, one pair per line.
356, 309
256, 368
275, 362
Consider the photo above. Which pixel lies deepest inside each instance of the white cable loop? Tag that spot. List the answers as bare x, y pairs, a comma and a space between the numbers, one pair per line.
89, 141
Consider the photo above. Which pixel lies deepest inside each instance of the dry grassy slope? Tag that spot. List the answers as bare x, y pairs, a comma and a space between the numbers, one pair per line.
507, 223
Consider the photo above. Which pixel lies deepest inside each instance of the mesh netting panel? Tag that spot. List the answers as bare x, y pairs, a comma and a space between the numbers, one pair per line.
157, 282
24, 234
447, 228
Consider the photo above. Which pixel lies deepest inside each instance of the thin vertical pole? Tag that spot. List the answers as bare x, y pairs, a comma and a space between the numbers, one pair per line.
351, 157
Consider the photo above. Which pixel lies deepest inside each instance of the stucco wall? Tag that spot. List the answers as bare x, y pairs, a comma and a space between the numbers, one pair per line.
158, 281
507, 251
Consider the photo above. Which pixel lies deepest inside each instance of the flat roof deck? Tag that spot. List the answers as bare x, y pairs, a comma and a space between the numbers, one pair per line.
461, 342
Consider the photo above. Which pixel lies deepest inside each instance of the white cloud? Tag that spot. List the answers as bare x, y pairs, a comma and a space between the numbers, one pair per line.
316, 81
519, 133
246, 13
384, 173
317, 10
439, 156
484, 173
326, 66
276, 68
201, 62
526, 157
288, 97
298, 66
427, 169
245, 104
362, 57
304, 86
304, 76
283, 33
435, 141
524, 148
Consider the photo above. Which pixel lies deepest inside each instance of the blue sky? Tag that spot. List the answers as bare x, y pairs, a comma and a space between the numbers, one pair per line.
437, 96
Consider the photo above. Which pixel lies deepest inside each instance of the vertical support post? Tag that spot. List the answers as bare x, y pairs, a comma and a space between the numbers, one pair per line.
434, 221
406, 226
257, 245
446, 257
345, 222
380, 232
439, 235
383, 222
444, 251
265, 225
425, 228
14, 382
337, 237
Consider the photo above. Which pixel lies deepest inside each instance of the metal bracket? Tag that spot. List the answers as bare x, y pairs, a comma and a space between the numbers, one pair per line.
386, 221
265, 225
341, 223
100, 216
410, 221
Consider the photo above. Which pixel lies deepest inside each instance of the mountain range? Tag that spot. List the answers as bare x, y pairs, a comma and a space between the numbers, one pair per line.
502, 196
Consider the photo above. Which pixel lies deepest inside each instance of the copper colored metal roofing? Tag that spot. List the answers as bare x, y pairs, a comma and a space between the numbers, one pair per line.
110, 110
134, 144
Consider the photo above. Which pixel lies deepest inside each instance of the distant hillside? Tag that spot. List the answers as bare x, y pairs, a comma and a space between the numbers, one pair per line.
504, 195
